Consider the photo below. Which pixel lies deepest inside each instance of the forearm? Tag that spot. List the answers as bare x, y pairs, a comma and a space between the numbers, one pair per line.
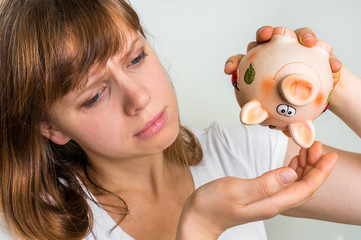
345, 100
338, 199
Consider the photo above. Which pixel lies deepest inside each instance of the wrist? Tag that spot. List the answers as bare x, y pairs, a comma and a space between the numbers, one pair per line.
194, 225
345, 99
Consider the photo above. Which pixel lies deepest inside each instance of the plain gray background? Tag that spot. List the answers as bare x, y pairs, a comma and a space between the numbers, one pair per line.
193, 39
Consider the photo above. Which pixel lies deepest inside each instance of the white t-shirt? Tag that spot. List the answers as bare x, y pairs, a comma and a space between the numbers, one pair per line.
239, 151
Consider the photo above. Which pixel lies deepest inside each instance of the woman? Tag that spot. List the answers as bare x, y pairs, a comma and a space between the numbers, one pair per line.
91, 145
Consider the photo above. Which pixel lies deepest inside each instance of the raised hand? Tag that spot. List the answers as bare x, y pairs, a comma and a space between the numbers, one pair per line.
305, 36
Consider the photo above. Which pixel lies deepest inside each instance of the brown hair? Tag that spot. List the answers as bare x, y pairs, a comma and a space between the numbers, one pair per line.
46, 49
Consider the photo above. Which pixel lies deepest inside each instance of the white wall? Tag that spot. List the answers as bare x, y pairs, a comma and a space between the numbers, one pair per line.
194, 38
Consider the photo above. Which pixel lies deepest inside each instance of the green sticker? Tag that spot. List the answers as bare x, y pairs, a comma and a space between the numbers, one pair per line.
249, 74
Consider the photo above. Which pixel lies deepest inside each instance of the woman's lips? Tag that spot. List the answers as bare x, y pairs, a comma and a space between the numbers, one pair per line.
154, 126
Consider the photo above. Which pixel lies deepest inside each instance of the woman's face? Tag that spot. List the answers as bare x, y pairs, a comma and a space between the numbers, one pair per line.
126, 110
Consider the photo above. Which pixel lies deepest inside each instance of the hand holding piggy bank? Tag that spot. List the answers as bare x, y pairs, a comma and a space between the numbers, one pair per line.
284, 85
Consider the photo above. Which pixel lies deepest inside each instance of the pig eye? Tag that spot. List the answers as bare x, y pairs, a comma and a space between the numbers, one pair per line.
282, 109
291, 111
286, 110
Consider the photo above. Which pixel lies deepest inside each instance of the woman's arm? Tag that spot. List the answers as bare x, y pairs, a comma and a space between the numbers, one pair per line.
345, 100
339, 197
230, 201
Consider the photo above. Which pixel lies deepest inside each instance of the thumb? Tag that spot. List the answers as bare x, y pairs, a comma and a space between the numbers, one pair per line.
232, 63
270, 183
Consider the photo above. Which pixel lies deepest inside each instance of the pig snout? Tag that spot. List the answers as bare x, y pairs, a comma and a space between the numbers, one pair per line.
298, 89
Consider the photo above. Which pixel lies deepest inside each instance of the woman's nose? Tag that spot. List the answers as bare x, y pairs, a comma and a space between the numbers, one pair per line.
136, 98
133, 92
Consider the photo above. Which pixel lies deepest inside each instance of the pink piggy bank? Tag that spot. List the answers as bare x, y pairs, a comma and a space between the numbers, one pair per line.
284, 85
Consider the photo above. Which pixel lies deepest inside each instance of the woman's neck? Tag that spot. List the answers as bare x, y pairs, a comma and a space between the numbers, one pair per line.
150, 174
153, 189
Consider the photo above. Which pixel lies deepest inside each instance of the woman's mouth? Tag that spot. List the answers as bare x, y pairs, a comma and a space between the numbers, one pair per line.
154, 126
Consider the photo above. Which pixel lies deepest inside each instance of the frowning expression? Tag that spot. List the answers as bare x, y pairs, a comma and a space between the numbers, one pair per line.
127, 109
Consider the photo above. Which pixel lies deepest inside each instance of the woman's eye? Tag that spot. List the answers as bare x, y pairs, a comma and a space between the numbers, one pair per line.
95, 99
138, 59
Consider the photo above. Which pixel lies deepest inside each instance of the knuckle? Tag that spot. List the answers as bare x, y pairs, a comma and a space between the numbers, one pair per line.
265, 189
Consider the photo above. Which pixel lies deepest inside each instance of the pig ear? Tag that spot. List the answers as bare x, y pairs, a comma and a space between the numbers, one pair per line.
298, 90
252, 113
303, 133
324, 45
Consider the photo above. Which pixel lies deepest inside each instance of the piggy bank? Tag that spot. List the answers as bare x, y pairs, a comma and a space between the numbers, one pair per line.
284, 85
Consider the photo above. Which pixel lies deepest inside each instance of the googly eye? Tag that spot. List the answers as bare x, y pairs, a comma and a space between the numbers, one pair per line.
282, 109
290, 112
285, 110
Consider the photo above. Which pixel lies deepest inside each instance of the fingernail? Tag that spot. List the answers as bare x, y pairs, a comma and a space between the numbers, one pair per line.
260, 30
228, 64
307, 36
287, 176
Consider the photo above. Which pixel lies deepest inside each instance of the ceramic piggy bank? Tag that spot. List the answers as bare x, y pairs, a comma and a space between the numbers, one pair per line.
284, 85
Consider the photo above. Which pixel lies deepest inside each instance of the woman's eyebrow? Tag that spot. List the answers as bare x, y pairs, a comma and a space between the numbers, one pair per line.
93, 81
131, 47
98, 76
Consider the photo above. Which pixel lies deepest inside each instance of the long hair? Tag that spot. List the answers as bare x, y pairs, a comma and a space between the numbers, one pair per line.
46, 50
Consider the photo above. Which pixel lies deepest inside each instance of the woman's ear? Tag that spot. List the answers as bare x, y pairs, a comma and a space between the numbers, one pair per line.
53, 134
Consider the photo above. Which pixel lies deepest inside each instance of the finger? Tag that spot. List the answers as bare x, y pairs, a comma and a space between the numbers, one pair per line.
315, 177
306, 37
336, 78
307, 159
252, 45
295, 193
302, 157
314, 153
293, 163
268, 184
232, 63
264, 34
302, 163
335, 64
336, 69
